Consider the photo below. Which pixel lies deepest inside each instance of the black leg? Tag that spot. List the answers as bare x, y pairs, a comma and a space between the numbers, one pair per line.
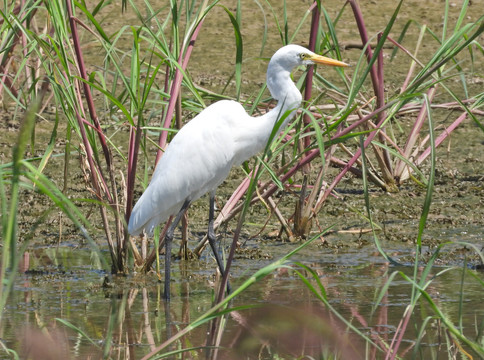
168, 240
212, 238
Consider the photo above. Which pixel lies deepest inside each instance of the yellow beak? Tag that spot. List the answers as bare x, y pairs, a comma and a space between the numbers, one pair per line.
318, 59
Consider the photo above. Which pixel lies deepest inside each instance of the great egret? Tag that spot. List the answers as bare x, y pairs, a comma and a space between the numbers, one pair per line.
200, 156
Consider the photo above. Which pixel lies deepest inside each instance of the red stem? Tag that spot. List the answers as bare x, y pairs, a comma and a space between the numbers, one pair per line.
412, 137
397, 338
380, 101
87, 91
442, 137
364, 39
309, 76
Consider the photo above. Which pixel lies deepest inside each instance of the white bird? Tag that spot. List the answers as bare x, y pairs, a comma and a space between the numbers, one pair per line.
201, 154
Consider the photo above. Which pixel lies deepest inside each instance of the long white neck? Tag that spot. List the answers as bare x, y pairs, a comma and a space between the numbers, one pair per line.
286, 93
288, 98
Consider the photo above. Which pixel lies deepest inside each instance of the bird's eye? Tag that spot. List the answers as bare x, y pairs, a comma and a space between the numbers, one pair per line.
303, 56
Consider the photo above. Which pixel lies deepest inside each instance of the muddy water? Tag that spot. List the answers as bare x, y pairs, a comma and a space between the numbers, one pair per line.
66, 281
290, 320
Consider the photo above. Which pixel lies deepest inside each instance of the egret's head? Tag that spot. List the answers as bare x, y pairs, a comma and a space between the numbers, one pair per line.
290, 56
283, 61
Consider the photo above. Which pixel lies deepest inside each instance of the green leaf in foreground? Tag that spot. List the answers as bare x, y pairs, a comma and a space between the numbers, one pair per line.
77, 330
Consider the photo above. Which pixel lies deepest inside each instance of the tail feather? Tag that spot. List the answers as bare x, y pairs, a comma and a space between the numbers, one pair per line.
143, 214
136, 226
147, 214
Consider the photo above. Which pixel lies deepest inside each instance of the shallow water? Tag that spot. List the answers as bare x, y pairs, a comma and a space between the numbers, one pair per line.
66, 283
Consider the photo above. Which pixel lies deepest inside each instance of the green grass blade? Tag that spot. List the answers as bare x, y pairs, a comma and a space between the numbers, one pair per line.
235, 20
50, 146
9, 213
77, 330
430, 182
367, 205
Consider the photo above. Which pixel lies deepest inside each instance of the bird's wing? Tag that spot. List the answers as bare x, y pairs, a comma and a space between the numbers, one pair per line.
197, 160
